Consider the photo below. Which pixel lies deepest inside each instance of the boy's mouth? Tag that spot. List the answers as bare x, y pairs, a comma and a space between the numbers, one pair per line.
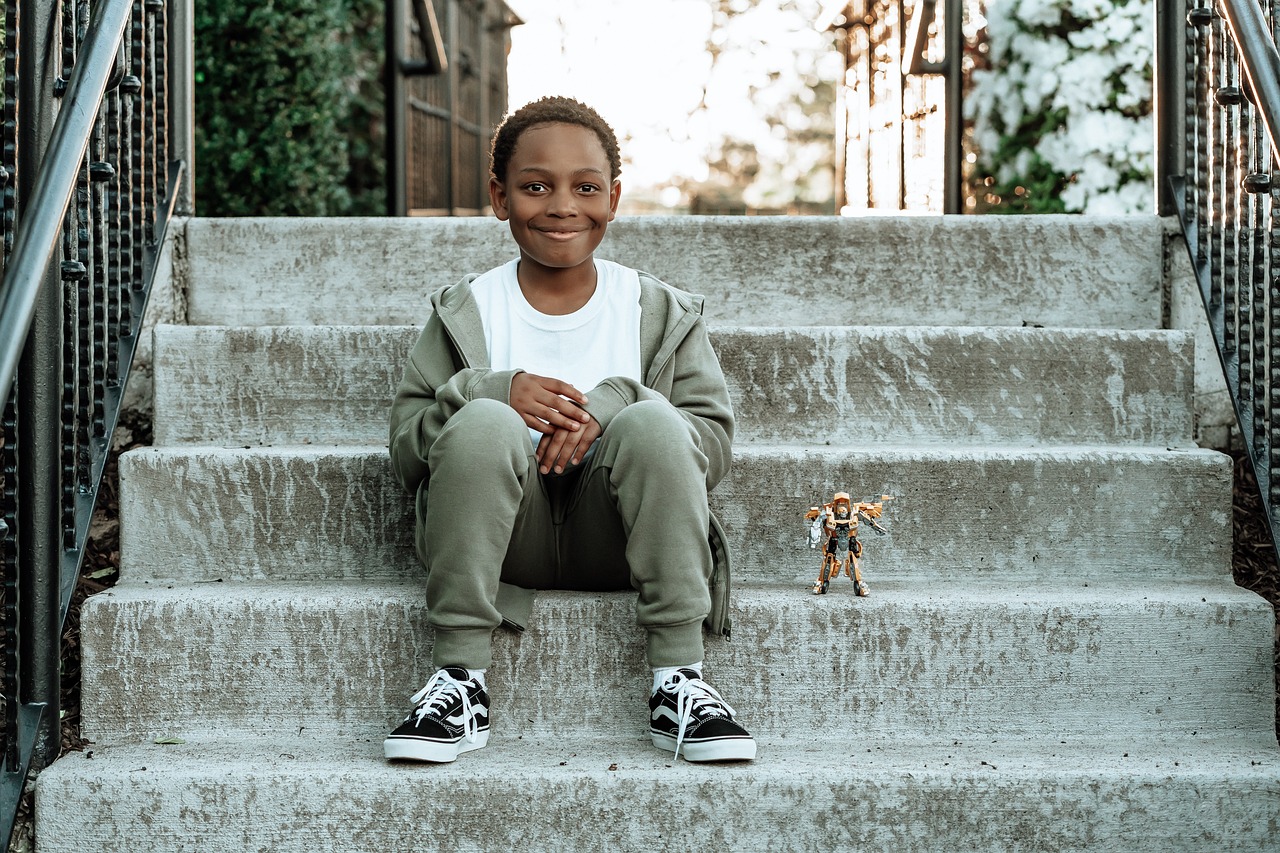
559, 234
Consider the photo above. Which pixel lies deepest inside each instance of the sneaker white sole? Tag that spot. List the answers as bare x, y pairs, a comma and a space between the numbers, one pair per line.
728, 749
435, 752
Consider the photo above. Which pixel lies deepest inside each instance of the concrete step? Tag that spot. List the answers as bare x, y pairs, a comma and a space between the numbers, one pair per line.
623, 795
849, 386
1064, 271
1064, 514
1120, 661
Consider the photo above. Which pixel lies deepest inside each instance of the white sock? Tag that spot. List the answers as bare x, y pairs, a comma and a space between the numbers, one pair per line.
477, 675
662, 673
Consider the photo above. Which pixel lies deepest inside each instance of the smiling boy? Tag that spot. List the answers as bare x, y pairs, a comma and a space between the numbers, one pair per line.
525, 481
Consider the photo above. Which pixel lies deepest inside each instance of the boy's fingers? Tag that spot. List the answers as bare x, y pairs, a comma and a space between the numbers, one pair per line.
538, 424
561, 412
551, 455
561, 389
558, 418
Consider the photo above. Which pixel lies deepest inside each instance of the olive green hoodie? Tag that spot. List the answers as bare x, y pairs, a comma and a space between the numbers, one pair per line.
449, 366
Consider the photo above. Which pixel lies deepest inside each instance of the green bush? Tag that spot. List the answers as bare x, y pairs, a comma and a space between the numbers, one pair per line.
288, 108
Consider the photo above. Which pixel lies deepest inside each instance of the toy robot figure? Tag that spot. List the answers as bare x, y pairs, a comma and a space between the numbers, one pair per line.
836, 520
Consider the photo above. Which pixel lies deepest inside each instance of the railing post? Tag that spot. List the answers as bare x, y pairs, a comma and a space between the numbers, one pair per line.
182, 98
40, 395
953, 34
395, 24
1170, 86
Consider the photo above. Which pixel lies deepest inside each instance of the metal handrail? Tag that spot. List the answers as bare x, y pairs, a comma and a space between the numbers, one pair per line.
1226, 198
951, 69
33, 248
1259, 58
87, 198
859, 25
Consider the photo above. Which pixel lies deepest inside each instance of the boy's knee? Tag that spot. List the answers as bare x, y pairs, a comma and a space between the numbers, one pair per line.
653, 423
485, 425
651, 435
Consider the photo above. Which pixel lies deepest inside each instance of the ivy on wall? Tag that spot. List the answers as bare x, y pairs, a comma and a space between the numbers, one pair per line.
288, 108
1062, 111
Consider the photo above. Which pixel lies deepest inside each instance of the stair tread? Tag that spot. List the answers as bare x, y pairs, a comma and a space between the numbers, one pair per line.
802, 754
887, 592
856, 385
1048, 270
1136, 662
318, 511
623, 794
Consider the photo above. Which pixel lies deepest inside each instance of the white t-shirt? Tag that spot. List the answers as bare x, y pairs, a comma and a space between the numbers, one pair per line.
599, 340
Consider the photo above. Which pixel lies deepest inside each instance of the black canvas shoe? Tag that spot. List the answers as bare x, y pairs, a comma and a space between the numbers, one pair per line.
450, 716
687, 715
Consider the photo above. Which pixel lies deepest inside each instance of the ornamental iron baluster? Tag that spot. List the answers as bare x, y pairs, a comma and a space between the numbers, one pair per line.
1227, 199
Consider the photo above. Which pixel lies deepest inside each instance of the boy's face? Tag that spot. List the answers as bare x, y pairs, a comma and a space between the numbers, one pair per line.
558, 195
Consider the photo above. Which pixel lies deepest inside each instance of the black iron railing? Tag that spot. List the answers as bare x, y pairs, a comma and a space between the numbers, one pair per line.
86, 200
900, 107
1226, 195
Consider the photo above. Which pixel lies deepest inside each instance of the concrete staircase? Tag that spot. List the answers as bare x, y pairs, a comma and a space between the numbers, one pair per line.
1053, 657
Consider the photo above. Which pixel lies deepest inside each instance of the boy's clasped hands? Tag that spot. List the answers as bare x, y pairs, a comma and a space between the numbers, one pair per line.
554, 408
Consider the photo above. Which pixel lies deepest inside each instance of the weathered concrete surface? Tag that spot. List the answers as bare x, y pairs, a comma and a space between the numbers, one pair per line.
1063, 271
166, 304
202, 513
848, 386
1120, 661
1053, 656
296, 794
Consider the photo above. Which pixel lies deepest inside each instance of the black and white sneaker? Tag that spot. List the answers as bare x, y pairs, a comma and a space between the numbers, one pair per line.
687, 714
450, 716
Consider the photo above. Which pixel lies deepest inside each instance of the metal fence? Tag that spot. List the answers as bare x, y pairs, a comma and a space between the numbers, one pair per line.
446, 94
900, 116
89, 183
1220, 180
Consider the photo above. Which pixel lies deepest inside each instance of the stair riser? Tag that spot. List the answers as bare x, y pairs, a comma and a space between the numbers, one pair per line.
1059, 271
866, 386
1120, 667
930, 809
332, 514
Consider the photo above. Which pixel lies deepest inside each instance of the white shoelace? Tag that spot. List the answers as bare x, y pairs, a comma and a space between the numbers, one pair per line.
693, 695
437, 695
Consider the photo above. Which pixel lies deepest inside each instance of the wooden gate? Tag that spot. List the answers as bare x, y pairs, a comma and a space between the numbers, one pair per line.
447, 92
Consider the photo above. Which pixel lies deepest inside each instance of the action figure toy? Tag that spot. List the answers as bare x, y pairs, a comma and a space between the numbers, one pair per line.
836, 520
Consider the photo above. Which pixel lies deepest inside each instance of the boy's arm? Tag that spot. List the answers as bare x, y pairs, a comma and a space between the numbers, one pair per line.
421, 406
698, 391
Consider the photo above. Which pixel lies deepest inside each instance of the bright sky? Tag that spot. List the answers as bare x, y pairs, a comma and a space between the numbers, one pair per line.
643, 65
639, 63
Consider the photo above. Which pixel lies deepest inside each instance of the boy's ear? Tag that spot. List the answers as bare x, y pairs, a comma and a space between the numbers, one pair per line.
498, 198
615, 193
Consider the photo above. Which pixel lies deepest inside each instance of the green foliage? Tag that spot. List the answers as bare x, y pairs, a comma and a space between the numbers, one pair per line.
1061, 107
1038, 186
288, 112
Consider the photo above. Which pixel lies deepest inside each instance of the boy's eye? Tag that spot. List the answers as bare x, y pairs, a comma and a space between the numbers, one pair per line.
536, 187
588, 188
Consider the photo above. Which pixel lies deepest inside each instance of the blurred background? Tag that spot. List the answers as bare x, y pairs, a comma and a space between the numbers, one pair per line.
744, 107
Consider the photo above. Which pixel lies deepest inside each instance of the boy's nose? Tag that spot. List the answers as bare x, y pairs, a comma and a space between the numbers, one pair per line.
562, 203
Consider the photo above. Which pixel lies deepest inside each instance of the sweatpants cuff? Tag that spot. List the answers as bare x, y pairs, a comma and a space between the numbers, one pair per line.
469, 647
675, 645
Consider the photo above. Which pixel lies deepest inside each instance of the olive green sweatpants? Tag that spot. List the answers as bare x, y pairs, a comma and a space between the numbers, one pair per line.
633, 514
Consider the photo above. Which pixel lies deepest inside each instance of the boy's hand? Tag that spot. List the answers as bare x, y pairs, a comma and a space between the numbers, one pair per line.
564, 448
548, 404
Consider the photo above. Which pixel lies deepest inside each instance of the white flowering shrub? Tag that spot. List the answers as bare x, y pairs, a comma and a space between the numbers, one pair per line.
1062, 112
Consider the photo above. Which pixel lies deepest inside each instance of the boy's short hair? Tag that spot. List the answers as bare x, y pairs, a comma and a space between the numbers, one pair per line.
551, 110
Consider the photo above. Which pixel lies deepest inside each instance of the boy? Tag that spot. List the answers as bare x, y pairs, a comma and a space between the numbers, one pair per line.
598, 490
